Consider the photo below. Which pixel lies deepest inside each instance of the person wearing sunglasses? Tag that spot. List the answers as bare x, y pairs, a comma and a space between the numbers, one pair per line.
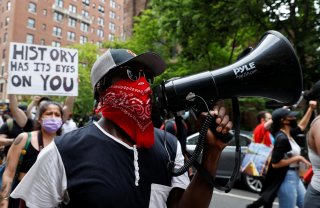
121, 160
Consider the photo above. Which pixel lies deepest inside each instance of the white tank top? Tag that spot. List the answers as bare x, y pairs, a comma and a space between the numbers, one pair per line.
315, 161
295, 151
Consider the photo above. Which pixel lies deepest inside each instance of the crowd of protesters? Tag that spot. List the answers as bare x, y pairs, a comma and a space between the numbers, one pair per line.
124, 151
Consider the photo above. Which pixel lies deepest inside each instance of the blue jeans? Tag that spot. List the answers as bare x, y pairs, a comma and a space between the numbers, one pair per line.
292, 191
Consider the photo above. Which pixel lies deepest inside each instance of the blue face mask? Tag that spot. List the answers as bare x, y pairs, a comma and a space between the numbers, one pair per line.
51, 125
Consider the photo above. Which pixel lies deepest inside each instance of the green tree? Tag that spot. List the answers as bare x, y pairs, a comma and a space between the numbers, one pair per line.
299, 22
87, 55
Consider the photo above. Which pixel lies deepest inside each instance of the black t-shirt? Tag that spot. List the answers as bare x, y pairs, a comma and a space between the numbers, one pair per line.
15, 131
101, 172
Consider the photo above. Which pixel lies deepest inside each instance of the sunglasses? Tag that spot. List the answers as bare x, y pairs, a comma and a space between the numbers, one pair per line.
135, 72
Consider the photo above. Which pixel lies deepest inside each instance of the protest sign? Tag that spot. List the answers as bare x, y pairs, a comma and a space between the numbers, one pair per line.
42, 70
256, 160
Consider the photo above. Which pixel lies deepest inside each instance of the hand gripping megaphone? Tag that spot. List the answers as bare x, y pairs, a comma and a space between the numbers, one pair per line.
271, 70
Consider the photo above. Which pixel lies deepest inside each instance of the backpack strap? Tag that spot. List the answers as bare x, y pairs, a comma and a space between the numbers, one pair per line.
23, 153
10, 124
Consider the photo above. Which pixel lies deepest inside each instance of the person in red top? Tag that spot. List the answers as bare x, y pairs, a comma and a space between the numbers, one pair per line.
261, 133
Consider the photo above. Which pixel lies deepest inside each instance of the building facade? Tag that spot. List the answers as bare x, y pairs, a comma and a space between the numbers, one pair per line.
62, 23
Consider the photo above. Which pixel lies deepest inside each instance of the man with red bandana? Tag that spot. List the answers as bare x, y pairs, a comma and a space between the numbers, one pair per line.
121, 160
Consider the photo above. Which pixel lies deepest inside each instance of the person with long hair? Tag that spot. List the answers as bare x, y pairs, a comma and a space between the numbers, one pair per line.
47, 127
285, 160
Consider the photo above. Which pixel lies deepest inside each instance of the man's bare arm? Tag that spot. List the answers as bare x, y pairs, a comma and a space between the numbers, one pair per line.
18, 114
199, 191
67, 107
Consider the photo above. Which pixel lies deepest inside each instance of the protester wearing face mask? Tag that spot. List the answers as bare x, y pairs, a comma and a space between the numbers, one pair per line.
122, 160
282, 178
48, 126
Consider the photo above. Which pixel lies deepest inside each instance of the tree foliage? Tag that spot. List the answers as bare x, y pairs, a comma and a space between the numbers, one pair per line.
84, 102
194, 36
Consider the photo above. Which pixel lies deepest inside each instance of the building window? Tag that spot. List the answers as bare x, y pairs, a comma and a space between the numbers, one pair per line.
72, 22
111, 37
44, 26
112, 15
3, 53
56, 44
85, 13
57, 31
57, 16
32, 7
72, 9
8, 5
1, 87
59, 3
43, 42
2, 68
6, 21
112, 4
5, 37
45, 12
71, 36
83, 39
29, 39
99, 44
101, 9
111, 26
31, 23
100, 21
84, 27
86, 2
100, 33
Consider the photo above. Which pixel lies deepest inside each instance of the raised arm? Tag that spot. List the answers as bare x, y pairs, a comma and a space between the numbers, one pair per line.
17, 113
67, 107
267, 124
199, 192
32, 104
306, 117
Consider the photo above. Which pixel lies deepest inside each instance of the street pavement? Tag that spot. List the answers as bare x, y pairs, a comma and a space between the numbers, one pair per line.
236, 198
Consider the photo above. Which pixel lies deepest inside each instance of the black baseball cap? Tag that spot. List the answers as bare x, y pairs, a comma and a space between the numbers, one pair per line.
113, 58
281, 113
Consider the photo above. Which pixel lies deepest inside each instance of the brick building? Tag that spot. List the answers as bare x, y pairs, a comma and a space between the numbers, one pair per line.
63, 22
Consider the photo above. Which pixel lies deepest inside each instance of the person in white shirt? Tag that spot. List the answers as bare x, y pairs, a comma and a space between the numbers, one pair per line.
69, 125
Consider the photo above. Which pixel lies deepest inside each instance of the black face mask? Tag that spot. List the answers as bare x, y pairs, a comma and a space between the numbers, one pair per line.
293, 123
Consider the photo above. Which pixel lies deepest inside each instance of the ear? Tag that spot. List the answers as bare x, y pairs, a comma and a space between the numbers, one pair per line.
39, 120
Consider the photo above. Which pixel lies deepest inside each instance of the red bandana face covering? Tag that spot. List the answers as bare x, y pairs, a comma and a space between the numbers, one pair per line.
128, 104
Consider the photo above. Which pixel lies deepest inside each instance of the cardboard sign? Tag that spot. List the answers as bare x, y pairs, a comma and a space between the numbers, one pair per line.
256, 160
42, 70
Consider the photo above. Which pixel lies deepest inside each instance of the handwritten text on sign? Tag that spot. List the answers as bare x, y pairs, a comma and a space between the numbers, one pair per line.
42, 70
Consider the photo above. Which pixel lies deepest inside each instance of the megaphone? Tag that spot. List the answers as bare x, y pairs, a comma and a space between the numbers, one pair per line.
313, 93
271, 70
